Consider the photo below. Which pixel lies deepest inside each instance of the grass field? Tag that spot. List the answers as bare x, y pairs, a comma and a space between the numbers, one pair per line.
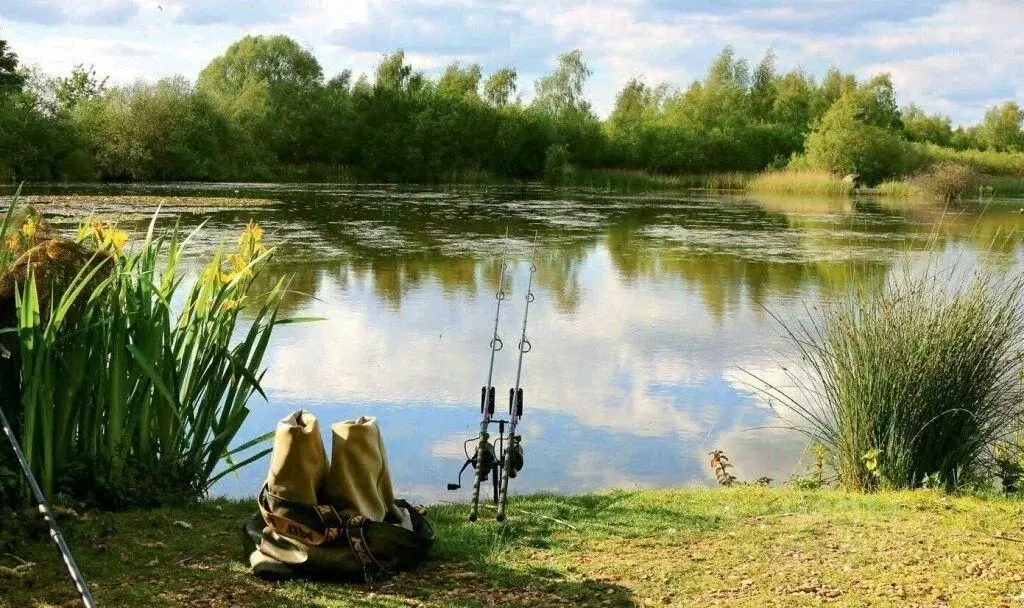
692, 547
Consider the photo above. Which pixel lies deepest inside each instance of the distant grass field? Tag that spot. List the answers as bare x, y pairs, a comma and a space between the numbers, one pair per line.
748, 547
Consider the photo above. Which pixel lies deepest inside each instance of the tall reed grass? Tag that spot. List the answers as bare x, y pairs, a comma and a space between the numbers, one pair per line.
630, 180
915, 381
801, 181
133, 384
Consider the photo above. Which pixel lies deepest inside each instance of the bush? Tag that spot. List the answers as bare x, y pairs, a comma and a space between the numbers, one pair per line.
948, 180
917, 380
556, 163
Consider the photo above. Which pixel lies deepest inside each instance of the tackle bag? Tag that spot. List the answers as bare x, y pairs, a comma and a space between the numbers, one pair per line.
332, 521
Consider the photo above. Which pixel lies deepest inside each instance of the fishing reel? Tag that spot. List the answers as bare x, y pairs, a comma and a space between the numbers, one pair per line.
491, 460
515, 456
488, 460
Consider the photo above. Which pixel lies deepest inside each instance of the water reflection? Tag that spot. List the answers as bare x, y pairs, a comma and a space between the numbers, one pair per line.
647, 307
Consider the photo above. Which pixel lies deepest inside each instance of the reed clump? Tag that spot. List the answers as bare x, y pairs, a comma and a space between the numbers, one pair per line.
802, 181
911, 385
130, 381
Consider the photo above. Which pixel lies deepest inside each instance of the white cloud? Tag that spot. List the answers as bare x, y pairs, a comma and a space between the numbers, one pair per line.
955, 56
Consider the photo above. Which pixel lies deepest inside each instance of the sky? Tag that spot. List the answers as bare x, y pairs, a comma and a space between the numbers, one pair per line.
956, 57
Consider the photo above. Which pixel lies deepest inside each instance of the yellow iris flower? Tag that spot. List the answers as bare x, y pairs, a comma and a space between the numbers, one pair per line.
30, 228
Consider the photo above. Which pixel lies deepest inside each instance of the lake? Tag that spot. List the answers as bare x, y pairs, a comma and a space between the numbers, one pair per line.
653, 313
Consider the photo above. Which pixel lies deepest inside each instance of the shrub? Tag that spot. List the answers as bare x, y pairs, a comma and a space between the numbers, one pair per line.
919, 379
948, 180
556, 163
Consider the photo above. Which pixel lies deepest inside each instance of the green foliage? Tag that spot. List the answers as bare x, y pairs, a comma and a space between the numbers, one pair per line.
920, 127
263, 111
556, 163
500, 87
11, 80
1001, 128
847, 140
133, 384
921, 378
80, 85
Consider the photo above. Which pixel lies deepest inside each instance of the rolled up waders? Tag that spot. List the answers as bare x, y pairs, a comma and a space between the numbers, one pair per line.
335, 521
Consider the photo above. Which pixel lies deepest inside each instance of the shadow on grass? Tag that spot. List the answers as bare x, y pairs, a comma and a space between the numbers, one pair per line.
192, 557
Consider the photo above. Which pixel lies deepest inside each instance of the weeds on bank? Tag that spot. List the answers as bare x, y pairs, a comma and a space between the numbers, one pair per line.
919, 379
130, 385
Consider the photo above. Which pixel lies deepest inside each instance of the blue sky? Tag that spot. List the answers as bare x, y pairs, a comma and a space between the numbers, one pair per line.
956, 57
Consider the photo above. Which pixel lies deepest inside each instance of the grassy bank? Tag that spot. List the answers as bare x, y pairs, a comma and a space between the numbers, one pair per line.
692, 547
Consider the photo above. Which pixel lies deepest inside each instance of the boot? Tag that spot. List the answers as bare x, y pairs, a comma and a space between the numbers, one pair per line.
298, 466
359, 478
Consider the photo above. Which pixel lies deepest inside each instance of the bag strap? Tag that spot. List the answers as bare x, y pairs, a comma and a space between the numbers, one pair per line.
330, 528
361, 549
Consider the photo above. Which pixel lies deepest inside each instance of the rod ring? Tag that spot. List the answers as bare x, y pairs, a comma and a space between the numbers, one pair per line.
530, 297
525, 346
500, 295
500, 344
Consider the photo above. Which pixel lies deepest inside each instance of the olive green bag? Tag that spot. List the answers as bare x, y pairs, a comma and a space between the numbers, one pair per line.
299, 533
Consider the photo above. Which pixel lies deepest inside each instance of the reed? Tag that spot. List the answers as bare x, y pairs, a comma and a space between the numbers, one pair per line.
132, 388
634, 180
801, 181
911, 384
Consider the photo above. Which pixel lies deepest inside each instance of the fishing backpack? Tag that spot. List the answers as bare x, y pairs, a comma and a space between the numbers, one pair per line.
290, 539
332, 520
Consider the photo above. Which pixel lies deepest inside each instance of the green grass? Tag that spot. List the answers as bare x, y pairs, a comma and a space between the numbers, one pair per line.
921, 378
745, 547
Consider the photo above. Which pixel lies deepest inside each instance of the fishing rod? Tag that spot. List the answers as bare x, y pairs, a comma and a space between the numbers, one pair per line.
44, 508
484, 460
513, 454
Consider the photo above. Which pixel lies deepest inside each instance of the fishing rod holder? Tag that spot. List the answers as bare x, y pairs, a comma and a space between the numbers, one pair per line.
492, 460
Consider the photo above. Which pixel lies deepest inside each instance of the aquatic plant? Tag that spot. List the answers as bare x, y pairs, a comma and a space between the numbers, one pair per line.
921, 378
134, 381
801, 181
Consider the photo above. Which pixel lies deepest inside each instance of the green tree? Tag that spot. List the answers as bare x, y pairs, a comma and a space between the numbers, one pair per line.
877, 101
764, 88
80, 84
637, 107
846, 142
459, 82
11, 80
561, 91
268, 85
500, 87
833, 86
921, 127
1001, 128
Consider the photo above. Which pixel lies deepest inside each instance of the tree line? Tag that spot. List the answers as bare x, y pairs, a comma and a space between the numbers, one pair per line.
264, 110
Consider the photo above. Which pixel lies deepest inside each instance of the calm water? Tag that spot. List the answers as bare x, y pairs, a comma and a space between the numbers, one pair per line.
650, 311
